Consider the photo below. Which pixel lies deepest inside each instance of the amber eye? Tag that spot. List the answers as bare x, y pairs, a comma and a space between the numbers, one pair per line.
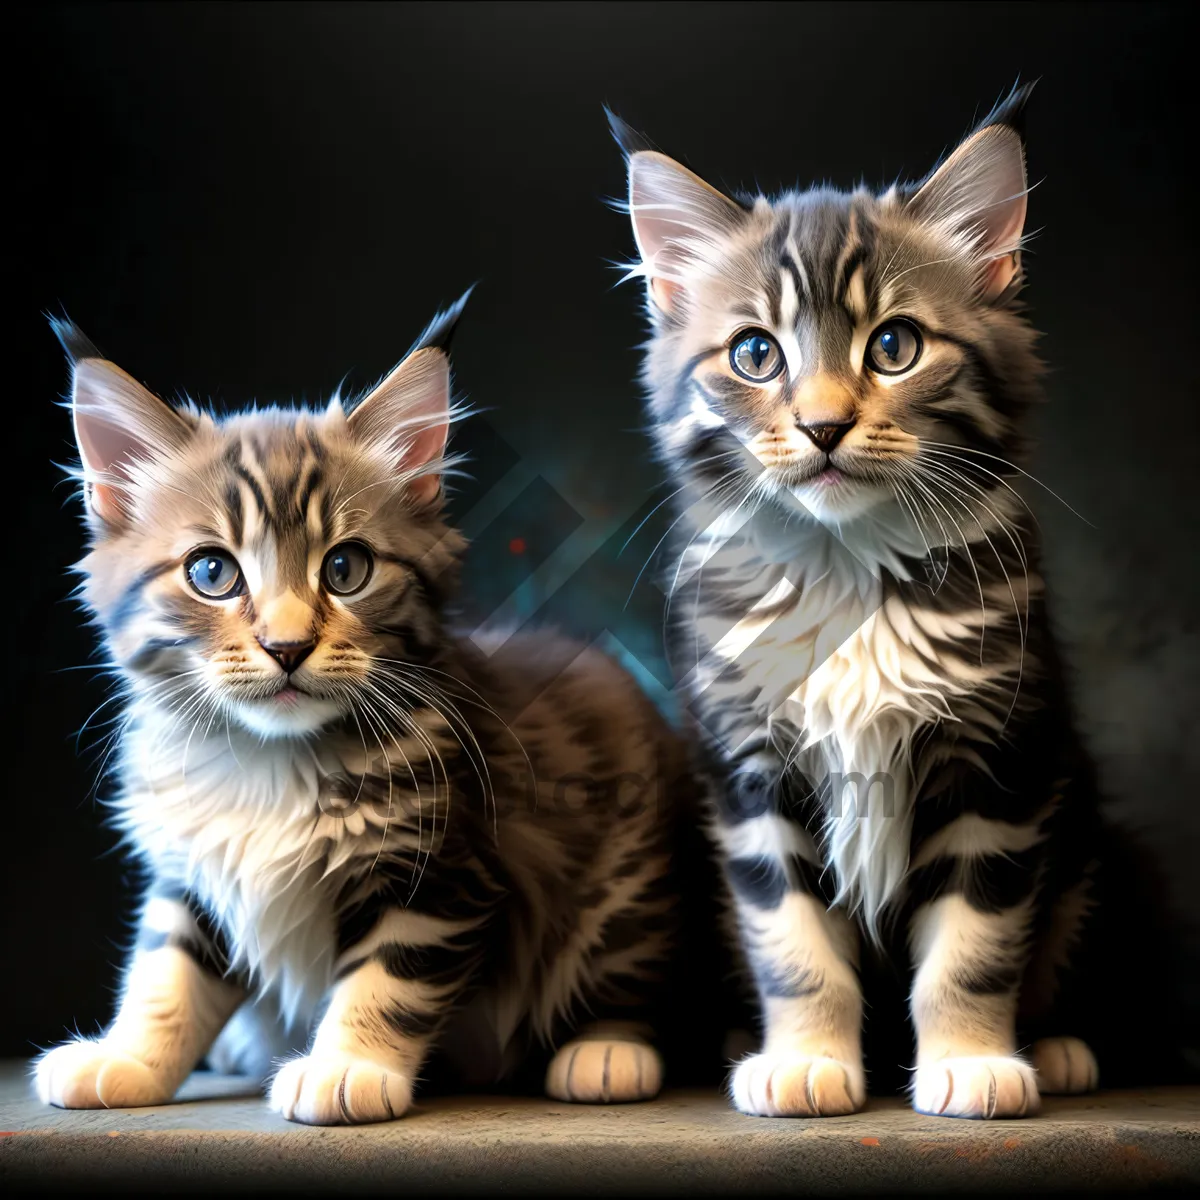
215, 575
894, 347
347, 568
756, 356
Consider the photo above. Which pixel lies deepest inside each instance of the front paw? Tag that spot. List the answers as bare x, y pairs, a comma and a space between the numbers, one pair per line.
95, 1075
981, 1087
336, 1089
605, 1071
792, 1084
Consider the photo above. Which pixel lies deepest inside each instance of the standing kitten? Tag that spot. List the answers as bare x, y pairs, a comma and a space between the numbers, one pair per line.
346, 811
839, 383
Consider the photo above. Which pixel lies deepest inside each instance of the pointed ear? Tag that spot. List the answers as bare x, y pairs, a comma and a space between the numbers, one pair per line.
978, 195
677, 218
409, 412
119, 424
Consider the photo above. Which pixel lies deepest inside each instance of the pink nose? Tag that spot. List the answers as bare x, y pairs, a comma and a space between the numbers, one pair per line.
289, 655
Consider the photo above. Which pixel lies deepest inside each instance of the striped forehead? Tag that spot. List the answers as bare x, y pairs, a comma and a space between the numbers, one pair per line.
274, 497
816, 276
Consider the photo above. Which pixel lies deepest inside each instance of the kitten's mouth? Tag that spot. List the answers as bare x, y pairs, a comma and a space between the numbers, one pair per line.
831, 490
829, 477
287, 712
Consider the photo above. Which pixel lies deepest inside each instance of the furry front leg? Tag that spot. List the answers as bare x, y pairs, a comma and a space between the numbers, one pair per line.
811, 1062
174, 1004
396, 987
964, 1007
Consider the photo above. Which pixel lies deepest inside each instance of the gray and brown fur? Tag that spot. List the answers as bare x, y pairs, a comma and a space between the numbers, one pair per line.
431, 848
857, 621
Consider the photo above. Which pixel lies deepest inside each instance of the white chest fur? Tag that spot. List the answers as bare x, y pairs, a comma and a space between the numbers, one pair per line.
860, 709
859, 676
248, 827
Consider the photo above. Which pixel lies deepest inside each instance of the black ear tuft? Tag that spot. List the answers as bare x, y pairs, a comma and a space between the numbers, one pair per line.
439, 332
76, 344
625, 135
1011, 110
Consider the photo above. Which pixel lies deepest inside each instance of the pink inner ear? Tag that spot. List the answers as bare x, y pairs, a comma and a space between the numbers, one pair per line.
980, 192
1000, 273
103, 446
670, 207
1001, 270
427, 446
117, 421
409, 414
665, 293
105, 449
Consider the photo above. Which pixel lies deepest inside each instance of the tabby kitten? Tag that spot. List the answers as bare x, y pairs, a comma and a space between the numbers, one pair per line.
345, 810
839, 384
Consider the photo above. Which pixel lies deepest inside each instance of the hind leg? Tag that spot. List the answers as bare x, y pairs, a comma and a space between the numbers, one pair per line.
1065, 1066
254, 1041
610, 1062
1052, 999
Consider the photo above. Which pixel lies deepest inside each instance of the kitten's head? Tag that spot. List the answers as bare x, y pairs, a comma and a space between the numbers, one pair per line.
276, 568
834, 348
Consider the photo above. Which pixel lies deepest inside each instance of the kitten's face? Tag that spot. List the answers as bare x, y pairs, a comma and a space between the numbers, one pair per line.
279, 569
833, 348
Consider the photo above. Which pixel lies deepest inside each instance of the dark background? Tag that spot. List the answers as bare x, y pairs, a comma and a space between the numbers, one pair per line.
248, 202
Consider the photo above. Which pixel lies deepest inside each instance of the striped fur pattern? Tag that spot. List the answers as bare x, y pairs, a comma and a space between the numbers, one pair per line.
368, 839
839, 384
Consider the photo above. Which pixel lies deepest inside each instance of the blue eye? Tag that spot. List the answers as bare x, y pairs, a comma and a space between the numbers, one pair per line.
215, 574
894, 347
756, 356
347, 568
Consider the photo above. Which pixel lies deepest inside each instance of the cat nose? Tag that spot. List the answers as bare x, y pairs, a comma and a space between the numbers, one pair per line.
826, 436
289, 655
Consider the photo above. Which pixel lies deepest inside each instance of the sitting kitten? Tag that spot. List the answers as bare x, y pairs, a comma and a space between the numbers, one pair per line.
334, 796
840, 384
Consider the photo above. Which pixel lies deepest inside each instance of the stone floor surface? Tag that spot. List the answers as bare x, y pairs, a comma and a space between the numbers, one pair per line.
219, 1133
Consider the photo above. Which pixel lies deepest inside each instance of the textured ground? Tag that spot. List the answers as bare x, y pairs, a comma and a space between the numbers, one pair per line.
685, 1142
